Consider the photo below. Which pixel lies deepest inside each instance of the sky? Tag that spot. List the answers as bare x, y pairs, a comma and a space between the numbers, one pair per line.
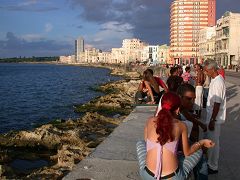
49, 27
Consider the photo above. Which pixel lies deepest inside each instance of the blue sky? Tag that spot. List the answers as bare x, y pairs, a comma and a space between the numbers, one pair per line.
49, 27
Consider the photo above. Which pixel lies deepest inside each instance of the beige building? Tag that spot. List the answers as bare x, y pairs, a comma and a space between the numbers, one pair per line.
187, 17
67, 59
164, 54
207, 37
158, 54
104, 57
228, 39
117, 56
91, 55
133, 49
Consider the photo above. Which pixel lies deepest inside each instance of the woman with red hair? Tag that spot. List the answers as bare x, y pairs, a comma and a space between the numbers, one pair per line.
162, 134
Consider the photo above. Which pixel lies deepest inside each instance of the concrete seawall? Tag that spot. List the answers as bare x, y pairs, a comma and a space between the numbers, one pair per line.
115, 158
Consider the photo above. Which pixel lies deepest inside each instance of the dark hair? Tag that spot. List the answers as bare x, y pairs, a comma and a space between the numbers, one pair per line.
187, 68
173, 70
147, 74
174, 82
183, 88
150, 70
170, 102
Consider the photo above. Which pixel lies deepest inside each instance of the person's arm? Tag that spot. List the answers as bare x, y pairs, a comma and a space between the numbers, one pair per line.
187, 149
145, 131
164, 87
194, 120
149, 91
141, 86
162, 84
216, 108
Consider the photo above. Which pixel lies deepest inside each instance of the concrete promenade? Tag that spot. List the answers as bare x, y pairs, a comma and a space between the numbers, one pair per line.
115, 158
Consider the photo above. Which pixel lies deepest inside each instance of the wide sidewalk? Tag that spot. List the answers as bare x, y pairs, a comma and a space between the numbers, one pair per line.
115, 158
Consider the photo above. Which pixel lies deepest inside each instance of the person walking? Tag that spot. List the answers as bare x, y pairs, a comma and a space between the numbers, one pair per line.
216, 111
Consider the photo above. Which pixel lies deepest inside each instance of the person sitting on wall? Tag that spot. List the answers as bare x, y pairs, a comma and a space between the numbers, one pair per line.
149, 88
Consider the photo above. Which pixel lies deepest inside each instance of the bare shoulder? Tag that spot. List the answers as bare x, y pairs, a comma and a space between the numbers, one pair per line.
151, 120
180, 124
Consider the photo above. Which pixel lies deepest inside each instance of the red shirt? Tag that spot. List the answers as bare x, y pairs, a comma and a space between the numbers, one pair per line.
221, 72
160, 81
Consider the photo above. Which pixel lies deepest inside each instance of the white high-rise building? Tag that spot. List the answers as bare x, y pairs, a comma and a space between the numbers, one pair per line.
79, 47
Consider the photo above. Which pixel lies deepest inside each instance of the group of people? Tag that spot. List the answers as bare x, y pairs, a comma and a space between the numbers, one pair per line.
172, 146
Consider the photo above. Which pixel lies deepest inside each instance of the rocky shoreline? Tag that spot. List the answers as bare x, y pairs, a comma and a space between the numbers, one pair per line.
53, 149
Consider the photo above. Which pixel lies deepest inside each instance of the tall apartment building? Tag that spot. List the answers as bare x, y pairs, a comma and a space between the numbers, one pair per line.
79, 48
228, 39
187, 17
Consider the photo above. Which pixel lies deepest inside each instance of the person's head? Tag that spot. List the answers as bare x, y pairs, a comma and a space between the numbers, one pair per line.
150, 71
197, 67
174, 71
187, 69
210, 67
147, 74
170, 108
187, 95
174, 82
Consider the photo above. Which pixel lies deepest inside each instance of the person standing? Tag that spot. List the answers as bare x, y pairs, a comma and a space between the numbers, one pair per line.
216, 111
199, 80
186, 75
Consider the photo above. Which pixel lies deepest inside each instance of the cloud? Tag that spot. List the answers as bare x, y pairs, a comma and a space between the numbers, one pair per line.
48, 27
29, 45
149, 18
110, 35
33, 37
30, 6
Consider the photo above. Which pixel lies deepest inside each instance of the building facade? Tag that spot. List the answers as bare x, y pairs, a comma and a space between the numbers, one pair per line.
104, 57
187, 18
118, 56
91, 55
79, 48
133, 49
67, 59
207, 38
158, 54
164, 54
228, 39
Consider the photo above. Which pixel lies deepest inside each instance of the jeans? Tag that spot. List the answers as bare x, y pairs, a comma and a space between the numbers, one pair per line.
186, 164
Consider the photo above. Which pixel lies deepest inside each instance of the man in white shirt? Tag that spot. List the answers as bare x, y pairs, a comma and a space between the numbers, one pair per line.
216, 111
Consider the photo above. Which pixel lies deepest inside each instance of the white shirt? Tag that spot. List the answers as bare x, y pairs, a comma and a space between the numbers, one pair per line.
217, 93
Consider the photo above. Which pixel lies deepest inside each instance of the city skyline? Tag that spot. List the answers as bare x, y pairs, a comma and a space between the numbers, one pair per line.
48, 28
